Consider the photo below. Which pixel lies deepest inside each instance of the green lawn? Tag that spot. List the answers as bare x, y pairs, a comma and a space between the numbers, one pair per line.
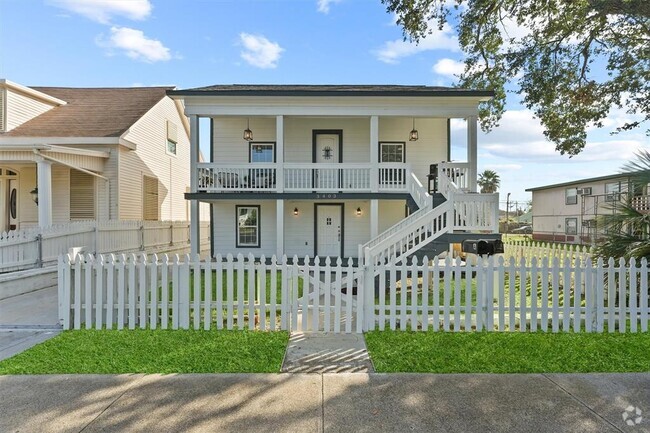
404, 351
147, 351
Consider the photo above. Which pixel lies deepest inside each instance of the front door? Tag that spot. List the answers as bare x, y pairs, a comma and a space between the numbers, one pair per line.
327, 150
8, 199
329, 230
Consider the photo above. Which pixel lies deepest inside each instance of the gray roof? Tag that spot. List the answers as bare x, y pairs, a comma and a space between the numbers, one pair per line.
328, 90
581, 181
90, 112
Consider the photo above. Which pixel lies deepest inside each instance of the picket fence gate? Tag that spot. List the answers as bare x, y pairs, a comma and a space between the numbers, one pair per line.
129, 291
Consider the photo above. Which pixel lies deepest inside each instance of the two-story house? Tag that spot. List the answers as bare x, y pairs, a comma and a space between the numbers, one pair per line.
335, 170
69, 154
568, 212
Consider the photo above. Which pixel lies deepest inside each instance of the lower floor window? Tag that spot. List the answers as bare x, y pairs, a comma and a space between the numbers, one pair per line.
571, 226
248, 226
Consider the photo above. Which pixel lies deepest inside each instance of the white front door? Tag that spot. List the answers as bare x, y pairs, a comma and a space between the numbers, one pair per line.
327, 152
329, 230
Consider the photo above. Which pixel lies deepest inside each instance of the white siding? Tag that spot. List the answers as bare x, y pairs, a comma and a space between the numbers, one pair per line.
151, 159
225, 228
21, 108
229, 145
390, 213
60, 194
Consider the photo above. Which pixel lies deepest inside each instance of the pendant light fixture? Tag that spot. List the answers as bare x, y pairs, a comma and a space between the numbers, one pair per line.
413, 135
248, 134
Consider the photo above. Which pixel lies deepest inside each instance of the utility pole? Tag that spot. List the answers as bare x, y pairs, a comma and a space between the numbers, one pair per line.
507, 210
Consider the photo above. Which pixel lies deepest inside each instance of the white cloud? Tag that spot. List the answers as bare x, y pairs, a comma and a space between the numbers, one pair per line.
103, 10
393, 51
259, 51
448, 67
136, 45
324, 5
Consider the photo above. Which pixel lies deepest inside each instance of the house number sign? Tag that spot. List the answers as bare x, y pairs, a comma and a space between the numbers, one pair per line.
326, 195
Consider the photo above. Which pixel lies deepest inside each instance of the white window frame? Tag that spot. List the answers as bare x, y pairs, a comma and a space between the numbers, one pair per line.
575, 226
171, 138
238, 225
573, 196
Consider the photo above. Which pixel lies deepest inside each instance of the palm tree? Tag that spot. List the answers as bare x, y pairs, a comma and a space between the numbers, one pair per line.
489, 181
627, 228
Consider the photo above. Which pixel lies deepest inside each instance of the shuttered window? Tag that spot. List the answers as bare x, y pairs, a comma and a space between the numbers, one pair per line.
82, 196
150, 198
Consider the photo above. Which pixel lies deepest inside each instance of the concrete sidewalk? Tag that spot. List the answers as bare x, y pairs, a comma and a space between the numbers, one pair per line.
329, 402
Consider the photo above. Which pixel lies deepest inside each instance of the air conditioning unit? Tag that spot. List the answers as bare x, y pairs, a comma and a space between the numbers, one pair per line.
584, 191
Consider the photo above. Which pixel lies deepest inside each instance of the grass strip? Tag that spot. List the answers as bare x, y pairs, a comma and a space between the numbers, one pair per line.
493, 352
152, 351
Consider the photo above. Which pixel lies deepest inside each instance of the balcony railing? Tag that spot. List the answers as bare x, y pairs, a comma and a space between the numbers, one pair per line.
303, 177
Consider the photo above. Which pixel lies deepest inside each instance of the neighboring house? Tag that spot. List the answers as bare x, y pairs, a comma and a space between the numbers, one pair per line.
568, 212
322, 170
91, 154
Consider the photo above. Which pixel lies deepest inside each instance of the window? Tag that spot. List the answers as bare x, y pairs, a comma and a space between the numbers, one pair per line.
82, 196
571, 196
612, 191
247, 226
391, 152
262, 153
172, 137
150, 205
571, 226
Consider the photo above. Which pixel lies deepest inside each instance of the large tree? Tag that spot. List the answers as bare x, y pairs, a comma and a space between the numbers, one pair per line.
571, 60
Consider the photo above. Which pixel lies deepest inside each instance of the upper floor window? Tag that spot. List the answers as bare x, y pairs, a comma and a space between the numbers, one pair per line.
571, 196
391, 152
612, 191
172, 137
262, 152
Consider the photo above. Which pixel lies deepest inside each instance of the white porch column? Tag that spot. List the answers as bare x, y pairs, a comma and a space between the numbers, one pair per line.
374, 218
374, 153
279, 229
44, 182
195, 223
472, 151
279, 153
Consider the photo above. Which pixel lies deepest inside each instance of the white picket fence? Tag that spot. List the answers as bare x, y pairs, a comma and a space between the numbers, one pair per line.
319, 295
540, 250
36, 247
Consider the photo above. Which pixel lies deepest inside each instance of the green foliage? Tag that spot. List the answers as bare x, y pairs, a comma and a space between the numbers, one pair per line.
553, 50
482, 352
149, 351
489, 181
628, 227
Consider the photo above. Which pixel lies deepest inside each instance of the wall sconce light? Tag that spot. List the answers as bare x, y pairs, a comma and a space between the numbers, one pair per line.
358, 211
34, 194
295, 211
248, 134
413, 135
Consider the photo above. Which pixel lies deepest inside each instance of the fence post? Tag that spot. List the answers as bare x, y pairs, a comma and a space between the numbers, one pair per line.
171, 234
142, 236
39, 250
96, 238
366, 315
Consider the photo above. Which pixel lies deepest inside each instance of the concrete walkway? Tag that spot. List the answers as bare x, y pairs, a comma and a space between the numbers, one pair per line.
320, 352
324, 403
27, 320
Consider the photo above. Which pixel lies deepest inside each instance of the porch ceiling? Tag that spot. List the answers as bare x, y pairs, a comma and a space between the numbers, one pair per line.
86, 159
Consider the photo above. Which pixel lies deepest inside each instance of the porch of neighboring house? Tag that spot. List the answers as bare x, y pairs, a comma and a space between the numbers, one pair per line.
42, 185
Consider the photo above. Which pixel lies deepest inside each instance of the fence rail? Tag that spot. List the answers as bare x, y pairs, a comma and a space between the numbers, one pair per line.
35, 247
322, 295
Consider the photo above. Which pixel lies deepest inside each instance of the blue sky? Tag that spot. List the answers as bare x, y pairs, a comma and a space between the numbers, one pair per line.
193, 43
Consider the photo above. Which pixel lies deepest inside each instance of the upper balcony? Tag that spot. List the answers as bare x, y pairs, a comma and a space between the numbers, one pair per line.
318, 177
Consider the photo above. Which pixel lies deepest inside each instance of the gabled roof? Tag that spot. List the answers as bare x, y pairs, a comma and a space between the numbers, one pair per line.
90, 112
328, 90
582, 181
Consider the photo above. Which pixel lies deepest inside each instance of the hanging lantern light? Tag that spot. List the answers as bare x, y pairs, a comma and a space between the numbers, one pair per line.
413, 135
248, 134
